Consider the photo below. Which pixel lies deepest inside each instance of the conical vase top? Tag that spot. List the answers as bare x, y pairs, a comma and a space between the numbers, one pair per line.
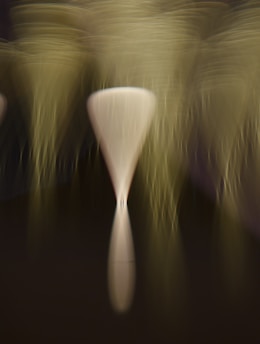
121, 117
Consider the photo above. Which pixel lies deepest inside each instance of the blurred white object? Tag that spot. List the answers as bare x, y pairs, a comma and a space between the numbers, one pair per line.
121, 261
121, 117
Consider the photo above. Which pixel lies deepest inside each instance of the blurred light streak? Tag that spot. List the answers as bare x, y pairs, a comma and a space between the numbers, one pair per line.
121, 261
229, 106
2, 107
48, 68
121, 117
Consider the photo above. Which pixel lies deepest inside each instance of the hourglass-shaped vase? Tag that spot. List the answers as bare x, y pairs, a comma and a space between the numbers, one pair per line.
121, 117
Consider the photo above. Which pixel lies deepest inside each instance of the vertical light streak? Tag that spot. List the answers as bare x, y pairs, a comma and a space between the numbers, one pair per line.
228, 79
48, 69
121, 261
2, 107
121, 117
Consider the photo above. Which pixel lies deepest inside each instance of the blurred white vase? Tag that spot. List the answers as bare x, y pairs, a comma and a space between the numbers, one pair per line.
121, 117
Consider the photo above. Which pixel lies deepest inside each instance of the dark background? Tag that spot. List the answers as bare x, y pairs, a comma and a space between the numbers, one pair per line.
58, 293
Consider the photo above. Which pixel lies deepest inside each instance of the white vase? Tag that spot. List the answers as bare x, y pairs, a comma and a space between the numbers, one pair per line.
121, 117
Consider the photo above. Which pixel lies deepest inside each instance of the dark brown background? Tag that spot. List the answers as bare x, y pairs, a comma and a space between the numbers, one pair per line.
59, 294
